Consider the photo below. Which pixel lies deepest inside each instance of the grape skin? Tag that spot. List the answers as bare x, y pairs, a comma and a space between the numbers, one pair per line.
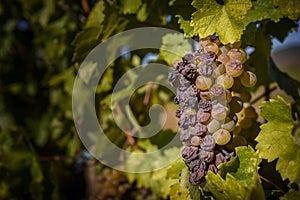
248, 79
234, 68
222, 136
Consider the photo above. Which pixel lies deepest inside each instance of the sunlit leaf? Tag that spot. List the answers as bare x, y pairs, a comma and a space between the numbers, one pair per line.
242, 184
224, 20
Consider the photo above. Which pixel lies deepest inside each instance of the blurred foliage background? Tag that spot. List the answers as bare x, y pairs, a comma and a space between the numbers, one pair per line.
42, 44
41, 156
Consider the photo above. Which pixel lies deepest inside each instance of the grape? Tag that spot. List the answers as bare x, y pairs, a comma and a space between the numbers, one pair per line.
238, 140
229, 125
228, 96
246, 116
195, 164
195, 141
225, 80
220, 158
250, 112
248, 79
208, 143
214, 39
219, 112
222, 136
213, 126
203, 83
237, 54
219, 70
206, 95
203, 117
206, 69
237, 85
224, 49
202, 55
244, 95
184, 135
217, 90
206, 156
211, 46
200, 129
234, 68
173, 78
190, 153
236, 105
237, 129
223, 58
189, 71
197, 177
179, 112
243, 120
205, 105
188, 58
203, 42
175, 63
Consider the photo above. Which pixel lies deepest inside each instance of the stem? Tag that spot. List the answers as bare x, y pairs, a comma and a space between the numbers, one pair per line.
147, 95
265, 94
270, 182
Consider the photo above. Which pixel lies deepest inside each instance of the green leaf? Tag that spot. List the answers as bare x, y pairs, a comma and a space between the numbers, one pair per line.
36, 171
291, 195
174, 46
88, 38
157, 180
290, 8
262, 9
178, 192
142, 14
96, 16
175, 169
224, 20
281, 29
130, 7
260, 58
185, 25
46, 12
275, 140
227, 167
242, 184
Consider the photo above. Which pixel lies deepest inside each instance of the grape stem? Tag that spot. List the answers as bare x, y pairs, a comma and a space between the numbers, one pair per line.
147, 95
270, 182
265, 94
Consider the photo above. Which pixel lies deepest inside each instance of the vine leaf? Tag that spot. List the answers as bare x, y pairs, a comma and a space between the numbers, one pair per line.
157, 180
242, 183
224, 20
262, 9
275, 139
175, 169
177, 46
290, 8
177, 192
185, 25
291, 195
260, 58
130, 7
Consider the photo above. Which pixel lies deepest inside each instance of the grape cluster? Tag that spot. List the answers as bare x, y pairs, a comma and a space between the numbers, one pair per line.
211, 91
110, 184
